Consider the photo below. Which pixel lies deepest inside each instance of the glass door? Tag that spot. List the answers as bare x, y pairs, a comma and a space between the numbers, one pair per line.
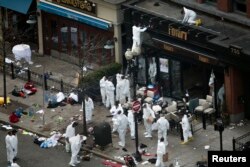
164, 76
176, 78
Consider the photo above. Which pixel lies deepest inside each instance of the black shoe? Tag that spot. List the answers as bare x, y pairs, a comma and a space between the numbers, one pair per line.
124, 149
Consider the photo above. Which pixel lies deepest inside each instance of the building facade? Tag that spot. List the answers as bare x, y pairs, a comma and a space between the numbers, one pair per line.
186, 55
77, 29
69, 30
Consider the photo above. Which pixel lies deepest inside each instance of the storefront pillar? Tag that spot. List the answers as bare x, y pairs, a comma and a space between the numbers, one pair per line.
117, 42
234, 94
40, 34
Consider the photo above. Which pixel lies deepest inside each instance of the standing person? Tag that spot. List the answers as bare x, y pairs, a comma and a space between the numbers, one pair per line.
114, 111
9, 148
161, 150
137, 37
186, 129
103, 89
189, 16
126, 89
122, 125
131, 123
148, 117
15, 142
75, 143
110, 88
70, 132
118, 87
152, 70
89, 107
163, 127
14, 164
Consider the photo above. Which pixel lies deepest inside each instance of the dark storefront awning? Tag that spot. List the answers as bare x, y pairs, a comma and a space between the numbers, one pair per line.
74, 15
21, 6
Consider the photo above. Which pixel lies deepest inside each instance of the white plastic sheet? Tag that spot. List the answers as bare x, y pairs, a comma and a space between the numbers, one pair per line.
22, 51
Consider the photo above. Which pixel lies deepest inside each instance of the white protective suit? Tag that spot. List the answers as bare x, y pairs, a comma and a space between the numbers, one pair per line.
110, 88
152, 71
76, 143
161, 150
186, 128
147, 113
89, 107
118, 88
122, 125
220, 95
122, 86
9, 148
14, 140
14, 165
137, 38
163, 127
131, 123
70, 132
60, 97
189, 16
113, 111
126, 89
103, 89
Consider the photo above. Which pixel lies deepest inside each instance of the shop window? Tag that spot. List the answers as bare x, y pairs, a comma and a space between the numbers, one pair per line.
212, 2
141, 75
176, 78
240, 6
54, 34
64, 30
164, 76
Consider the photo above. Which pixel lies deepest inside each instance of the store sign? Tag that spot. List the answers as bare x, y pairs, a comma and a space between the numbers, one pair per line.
79, 5
235, 50
168, 47
175, 32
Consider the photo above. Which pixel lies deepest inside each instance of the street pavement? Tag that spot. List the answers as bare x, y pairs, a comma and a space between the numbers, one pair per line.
31, 155
187, 155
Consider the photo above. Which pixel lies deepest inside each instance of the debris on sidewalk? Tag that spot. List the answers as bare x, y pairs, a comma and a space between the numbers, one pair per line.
206, 147
110, 163
7, 127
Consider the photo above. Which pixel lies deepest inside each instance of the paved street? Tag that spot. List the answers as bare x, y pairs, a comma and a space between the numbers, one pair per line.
31, 155
188, 154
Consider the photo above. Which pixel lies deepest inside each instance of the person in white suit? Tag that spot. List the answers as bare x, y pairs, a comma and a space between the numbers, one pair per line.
9, 147
103, 89
189, 16
14, 141
118, 88
89, 107
75, 143
161, 150
152, 70
126, 89
163, 127
137, 38
114, 111
110, 92
122, 125
70, 132
131, 123
148, 116
186, 129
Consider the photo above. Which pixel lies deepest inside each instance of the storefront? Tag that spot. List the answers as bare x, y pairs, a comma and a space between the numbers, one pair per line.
17, 28
185, 57
73, 30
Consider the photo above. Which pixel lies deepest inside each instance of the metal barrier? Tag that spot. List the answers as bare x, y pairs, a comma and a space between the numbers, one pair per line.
92, 89
240, 142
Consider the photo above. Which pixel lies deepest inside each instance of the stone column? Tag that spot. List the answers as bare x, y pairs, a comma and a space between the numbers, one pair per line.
225, 5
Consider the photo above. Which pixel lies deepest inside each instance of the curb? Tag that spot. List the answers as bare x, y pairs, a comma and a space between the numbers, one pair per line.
99, 154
